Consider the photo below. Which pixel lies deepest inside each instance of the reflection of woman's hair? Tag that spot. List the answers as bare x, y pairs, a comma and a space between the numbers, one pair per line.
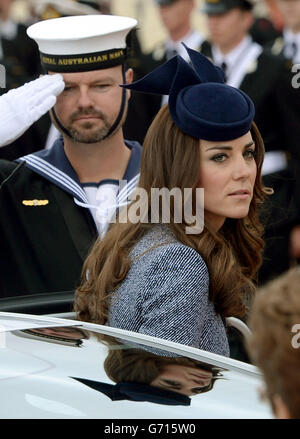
275, 311
139, 366
171, 159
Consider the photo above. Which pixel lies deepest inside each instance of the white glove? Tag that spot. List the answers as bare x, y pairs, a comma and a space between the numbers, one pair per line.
22, 106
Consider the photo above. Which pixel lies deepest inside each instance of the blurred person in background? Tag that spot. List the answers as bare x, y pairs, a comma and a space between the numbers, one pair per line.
18, 53
288, 43
267, 24
47, 9
176, 17
267, 79
274, 345
20, 58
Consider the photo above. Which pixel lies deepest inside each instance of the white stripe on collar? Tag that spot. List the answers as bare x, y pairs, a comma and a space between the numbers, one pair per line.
104, 213
55, 174
127, 189
121, 199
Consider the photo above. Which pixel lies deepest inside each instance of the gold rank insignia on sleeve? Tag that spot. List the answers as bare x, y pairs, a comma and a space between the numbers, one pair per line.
35, 202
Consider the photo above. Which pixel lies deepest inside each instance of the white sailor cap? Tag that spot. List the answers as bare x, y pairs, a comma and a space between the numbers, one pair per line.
82, 43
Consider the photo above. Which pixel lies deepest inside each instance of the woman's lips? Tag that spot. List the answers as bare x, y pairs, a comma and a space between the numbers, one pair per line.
243, 193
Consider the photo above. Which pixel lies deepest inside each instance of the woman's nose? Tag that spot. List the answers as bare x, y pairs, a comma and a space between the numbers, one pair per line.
241, 168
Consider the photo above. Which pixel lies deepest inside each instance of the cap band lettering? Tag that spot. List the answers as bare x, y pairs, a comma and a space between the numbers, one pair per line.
83, 62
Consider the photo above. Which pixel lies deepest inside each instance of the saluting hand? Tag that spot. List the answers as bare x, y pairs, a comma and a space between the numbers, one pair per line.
22, 106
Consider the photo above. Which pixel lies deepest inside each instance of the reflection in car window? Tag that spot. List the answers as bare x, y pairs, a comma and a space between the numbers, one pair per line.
66, 335
142, 375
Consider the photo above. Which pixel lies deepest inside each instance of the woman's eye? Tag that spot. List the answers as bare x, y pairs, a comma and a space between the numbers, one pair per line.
219, 157
250, 154
172, 383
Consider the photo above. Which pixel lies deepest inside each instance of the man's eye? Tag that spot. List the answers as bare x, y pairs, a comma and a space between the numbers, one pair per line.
102, 85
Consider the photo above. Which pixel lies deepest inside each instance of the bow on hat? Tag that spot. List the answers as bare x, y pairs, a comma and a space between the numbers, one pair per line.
200, 103
137, 392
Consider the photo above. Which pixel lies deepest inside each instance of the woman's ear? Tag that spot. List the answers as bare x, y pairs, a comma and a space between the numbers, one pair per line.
280, 409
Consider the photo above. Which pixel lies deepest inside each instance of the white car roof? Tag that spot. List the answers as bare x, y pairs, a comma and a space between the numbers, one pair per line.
37, 376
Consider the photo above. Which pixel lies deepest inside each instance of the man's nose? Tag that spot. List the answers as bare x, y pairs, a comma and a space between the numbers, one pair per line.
84, 99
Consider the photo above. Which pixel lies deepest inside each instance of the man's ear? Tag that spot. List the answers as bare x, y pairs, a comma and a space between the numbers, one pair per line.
129, 79
280, 409
129, 76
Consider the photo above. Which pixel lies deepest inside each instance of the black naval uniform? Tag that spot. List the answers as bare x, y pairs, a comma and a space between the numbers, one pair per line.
45, 236
277, 106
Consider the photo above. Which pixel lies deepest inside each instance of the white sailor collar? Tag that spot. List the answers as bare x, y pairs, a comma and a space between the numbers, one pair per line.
54, 166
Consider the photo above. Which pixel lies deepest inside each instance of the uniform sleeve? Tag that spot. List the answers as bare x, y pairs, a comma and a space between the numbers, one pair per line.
176, 301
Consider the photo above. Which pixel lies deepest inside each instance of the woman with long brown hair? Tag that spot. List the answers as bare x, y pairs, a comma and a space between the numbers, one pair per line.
165, 278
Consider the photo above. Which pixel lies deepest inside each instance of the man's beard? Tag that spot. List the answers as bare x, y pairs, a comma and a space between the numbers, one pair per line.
87, 133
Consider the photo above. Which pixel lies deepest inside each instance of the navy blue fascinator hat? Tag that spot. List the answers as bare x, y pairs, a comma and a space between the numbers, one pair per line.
200, 103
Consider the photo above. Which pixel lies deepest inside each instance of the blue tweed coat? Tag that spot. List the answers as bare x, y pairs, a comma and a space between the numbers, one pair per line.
165, 294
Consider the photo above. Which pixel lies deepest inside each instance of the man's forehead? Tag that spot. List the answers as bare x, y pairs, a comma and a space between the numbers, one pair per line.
94, 75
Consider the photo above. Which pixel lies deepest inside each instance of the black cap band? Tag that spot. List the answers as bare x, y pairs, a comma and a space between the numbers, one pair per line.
215, 7
83, 62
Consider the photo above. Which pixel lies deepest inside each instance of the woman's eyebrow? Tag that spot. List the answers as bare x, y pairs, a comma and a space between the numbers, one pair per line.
228, 148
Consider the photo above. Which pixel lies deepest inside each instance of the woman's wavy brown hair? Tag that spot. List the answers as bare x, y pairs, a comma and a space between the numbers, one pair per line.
171, 159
